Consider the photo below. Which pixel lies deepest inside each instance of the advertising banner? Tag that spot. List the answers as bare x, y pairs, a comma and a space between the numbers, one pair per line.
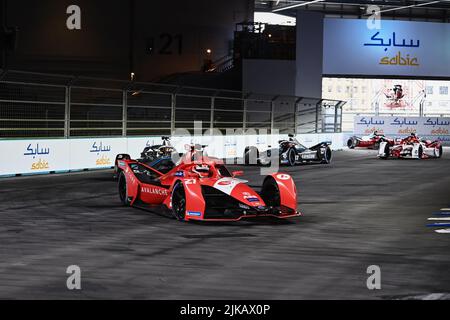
435, 128
95, 153
34, 156
396, 48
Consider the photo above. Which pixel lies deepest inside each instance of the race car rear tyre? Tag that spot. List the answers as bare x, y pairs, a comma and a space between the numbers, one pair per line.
387, 152
179, 202
326, 158
291, 157
123, 190
251, 155
351, 143
270, 192
420, 152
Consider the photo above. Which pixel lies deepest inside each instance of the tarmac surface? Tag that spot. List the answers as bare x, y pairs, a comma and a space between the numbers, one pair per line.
358, 211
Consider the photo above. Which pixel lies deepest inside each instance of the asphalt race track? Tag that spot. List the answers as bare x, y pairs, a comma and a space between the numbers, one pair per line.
358, 211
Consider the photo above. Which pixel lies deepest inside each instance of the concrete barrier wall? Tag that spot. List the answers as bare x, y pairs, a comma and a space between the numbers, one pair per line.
39, 156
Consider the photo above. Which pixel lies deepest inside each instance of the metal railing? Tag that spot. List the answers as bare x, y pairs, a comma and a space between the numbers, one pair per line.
47, 105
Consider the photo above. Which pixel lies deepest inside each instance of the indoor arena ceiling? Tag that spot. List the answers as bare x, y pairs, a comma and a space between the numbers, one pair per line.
393, 9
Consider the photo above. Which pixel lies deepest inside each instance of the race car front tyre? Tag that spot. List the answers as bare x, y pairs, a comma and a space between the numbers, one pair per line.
123, 192
251, 155
439, 155
420, 152
270, 192
179, 201
116, 173
291, 157
326, 157
376, 145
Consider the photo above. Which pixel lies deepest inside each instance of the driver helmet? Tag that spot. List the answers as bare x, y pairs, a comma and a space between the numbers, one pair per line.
202, 170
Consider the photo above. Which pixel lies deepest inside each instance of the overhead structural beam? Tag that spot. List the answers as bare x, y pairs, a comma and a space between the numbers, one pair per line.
292, 6
410, 6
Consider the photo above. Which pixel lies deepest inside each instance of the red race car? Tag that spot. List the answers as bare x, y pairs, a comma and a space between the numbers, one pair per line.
372, 141
411, 147
199, 187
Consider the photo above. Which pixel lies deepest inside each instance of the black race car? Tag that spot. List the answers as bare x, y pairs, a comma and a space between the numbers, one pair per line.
291, 152
149, 154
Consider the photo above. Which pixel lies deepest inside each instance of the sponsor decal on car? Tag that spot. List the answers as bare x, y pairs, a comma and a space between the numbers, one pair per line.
157, 191
283, 176
179, 174
251, 198
194, 213
309, 156
226, 185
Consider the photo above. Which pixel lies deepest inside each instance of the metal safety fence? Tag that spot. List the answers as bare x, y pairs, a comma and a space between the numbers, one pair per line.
48, 105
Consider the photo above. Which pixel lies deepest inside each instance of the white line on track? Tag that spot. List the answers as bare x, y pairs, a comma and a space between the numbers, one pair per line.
446, 218
445, 209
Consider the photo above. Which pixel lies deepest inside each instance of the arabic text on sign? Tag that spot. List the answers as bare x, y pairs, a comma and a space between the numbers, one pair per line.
379, 42
36, 151
100, 148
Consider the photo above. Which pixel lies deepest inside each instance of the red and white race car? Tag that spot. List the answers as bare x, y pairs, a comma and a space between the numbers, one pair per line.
201, 188
372, 141
411, 147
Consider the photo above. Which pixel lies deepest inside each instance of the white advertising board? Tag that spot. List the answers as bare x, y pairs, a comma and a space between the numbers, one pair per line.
96, 152
34, 156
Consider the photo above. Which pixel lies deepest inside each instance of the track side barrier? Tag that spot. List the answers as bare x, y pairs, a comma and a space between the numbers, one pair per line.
42, 156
